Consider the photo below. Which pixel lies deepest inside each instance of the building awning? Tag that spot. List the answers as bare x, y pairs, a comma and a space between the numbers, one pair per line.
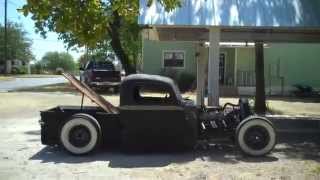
234, 13
200, 34
239, 21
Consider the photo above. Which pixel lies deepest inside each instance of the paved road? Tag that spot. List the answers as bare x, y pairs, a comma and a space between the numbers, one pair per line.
18, 83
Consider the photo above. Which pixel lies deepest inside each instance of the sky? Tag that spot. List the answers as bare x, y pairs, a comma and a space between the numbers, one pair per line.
40, 45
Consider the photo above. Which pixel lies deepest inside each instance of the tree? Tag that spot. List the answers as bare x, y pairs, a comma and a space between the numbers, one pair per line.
92, 23
83, 59
53, 61
19, 46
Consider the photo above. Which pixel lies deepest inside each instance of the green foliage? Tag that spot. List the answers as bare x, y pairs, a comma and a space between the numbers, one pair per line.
19, 46
185, 81
83, 59
37, 68
94, 24
97, 56
54, 61
19, 70
316, 170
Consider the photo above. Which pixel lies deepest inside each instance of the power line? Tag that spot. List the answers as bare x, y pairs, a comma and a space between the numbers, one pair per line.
5, 31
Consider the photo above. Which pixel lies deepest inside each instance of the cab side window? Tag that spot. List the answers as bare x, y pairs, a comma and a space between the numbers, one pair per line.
152, 95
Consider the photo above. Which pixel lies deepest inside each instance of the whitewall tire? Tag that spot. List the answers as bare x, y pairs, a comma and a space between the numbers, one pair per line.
81, 134
256, 136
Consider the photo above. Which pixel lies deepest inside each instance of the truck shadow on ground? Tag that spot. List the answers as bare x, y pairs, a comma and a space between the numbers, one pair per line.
114, 158
223, 153
290, 146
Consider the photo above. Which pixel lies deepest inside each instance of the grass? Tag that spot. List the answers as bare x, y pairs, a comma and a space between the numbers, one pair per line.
36, 76
279, 106
12, 77
61, 87
316, 170
6, 78
273, 110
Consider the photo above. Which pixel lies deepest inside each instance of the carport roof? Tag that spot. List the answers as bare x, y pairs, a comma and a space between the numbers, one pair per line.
235, 13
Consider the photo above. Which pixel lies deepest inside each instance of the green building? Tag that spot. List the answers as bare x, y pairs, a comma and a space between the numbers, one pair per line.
286, 64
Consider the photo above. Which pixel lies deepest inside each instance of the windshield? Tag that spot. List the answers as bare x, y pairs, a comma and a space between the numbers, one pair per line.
104, 65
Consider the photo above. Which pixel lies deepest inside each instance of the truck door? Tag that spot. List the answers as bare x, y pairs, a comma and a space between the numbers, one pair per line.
156, 119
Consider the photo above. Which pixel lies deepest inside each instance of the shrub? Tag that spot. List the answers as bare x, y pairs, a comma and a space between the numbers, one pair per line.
19, 70
186, 81
171, 73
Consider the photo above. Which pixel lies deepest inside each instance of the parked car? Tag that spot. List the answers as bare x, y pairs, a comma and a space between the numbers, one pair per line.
152, 116
101, 75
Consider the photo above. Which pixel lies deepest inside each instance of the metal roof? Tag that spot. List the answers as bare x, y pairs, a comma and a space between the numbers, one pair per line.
234, 13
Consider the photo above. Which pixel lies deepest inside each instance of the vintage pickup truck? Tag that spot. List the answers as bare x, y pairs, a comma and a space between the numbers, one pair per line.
152, 115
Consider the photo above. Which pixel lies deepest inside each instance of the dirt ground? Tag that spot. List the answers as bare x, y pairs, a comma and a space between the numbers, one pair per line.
22, 156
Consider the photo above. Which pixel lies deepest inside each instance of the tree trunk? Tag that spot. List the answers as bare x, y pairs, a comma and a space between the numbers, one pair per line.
117, 47
260, 99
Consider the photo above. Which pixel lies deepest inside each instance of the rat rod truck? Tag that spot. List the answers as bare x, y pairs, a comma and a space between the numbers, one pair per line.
152, 115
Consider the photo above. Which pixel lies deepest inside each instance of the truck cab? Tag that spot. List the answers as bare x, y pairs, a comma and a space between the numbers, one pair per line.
153, 113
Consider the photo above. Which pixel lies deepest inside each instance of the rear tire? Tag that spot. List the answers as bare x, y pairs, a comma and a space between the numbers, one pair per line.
81, 134
256, 136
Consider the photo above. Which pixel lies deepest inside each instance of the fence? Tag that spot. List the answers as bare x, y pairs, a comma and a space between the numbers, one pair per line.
246, 78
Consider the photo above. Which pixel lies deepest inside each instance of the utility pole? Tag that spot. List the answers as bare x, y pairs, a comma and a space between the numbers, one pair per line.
5, 33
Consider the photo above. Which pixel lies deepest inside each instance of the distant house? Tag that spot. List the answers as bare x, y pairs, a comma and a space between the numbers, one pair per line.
17, 66
286, 64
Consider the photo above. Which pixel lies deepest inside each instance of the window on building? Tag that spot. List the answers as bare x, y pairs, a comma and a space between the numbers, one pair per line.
173, 59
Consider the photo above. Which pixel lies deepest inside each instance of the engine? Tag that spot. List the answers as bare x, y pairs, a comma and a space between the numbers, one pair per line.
220, 119
225, 118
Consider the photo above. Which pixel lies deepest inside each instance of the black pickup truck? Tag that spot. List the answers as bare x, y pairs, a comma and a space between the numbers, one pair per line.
101, 75
152, 116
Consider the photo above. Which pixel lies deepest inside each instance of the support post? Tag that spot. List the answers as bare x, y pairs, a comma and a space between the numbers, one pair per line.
213, 67
260, 99
235, 79
201, 66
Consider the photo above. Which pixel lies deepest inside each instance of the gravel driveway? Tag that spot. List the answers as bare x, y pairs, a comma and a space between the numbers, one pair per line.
23, 157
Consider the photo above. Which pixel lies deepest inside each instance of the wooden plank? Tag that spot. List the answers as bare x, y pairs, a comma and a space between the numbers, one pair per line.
87, 91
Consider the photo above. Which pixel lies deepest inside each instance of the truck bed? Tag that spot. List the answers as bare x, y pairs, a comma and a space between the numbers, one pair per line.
52, 120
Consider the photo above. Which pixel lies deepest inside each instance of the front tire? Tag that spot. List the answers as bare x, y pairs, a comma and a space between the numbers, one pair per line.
80, 134
256, 136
